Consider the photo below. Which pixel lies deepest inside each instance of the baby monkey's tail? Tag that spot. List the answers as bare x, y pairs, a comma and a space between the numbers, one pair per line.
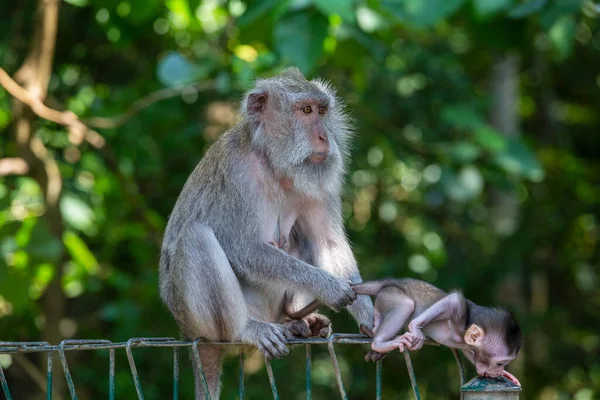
371, 288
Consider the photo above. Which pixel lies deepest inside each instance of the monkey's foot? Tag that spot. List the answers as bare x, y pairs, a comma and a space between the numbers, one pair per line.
298, 328
374, 356
270, 339
399, 342
319, 325
511, 378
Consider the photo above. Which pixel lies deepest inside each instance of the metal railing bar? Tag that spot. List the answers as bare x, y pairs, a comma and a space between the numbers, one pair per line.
133, 368
175, 373
336, 367
48, 376
4, 384
101, 344
111, 374
28, 347
65, 365
411, 375
378, 373
241, 377
308, 372
271, 379
461, 367
196, 358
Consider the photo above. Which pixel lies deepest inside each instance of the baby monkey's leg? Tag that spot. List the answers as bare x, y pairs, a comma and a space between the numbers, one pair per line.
394, 309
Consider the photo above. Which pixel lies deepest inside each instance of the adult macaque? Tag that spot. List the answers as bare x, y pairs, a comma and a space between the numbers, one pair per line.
489, 337
275, 177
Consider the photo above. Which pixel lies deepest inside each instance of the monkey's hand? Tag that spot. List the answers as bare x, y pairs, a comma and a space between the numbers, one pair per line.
336, 293
511, 377
415, 336
270, 339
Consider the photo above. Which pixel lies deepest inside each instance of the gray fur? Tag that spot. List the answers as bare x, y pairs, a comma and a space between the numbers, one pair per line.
218, 275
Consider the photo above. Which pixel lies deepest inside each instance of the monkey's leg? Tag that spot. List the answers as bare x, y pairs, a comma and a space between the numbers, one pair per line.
212, 305
394, 308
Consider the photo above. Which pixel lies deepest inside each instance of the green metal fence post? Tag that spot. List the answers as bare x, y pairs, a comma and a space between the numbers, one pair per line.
481, 388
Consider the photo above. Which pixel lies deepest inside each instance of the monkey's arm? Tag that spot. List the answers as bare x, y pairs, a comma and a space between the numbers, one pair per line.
451, 307
262, 264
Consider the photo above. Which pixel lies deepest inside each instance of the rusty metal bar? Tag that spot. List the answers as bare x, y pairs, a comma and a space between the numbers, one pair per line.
241, 378
308, 372
4, 384
79, 345
175, 373
411, 375
378, 372
200, 367
461, 368
271, 379
111, 374
336, 366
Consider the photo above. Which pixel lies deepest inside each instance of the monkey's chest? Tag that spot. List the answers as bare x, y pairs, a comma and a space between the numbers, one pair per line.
277, 225
445, 333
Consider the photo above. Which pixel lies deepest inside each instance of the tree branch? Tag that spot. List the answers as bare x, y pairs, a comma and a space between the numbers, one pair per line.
77, 129
147, 101
13, 166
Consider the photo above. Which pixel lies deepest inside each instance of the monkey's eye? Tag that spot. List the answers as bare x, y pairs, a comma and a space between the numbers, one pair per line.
322, 110
306, 109
500, 364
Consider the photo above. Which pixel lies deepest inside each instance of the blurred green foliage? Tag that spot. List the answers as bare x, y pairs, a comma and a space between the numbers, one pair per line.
428, 178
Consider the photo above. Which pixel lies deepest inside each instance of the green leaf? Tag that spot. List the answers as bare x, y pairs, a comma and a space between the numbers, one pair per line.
486, 8
299, 39
422, 14
525, 9
175, 70
41, 245
463, 187
519, 160
143, 10
14, 288
78, 3
462, 116
490, 139
562, 35
80, 253
557, 10
464, 152
77, 213
343, 8
255, 11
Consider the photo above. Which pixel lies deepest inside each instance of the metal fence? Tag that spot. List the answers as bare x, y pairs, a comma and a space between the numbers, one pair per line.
79, 345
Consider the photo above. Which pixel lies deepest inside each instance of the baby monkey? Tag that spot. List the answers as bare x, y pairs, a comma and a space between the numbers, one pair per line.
489, 337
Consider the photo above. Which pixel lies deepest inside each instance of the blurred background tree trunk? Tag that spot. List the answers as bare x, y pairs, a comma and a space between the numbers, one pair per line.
34, 75
504, 210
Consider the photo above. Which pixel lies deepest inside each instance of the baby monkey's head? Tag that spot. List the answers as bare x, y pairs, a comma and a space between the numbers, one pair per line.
494, 339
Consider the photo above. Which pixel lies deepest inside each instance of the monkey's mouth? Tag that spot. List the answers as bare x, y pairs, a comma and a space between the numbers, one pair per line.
318, 158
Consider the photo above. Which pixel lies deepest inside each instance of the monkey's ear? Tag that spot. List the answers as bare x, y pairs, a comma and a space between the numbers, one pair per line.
474, 336
256, 102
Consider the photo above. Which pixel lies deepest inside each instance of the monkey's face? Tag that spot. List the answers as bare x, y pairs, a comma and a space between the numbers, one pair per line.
491, 362
489, 350
301, 128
